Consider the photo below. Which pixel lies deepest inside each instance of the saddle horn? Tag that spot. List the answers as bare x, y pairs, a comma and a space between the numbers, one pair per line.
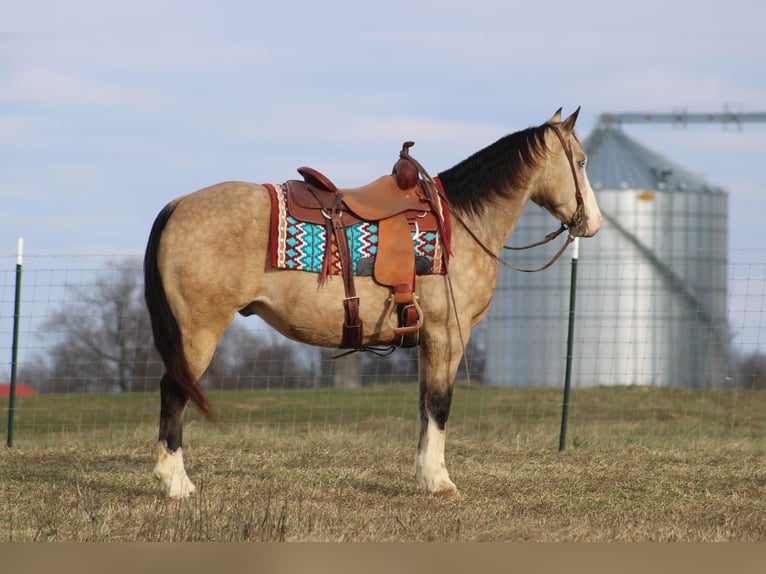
405, 171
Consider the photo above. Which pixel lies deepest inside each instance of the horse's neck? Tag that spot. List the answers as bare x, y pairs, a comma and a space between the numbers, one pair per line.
495, 221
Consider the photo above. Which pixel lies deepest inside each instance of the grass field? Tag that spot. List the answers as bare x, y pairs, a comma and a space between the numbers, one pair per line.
641, 464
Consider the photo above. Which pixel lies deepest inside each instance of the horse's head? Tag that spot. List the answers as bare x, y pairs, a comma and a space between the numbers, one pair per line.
563, 188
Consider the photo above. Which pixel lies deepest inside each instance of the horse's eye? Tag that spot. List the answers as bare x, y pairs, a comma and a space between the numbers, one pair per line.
581, 163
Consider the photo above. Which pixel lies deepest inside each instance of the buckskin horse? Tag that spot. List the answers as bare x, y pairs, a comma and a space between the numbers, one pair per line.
208, 259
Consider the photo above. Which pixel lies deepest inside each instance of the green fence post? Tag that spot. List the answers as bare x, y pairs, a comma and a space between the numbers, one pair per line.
15, 346
570, 343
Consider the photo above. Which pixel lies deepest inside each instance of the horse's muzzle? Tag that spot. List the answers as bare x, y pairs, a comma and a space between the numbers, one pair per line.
585, 224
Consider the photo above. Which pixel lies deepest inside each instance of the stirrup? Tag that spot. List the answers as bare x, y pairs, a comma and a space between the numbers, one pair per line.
408, 334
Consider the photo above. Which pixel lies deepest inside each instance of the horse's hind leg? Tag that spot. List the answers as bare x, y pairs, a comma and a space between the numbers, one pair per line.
170, 462
170, 468
437, 369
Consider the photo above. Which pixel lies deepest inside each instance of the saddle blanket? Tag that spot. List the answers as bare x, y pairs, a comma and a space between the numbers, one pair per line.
300, 246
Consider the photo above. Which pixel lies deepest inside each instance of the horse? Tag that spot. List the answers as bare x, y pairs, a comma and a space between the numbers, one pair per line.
207, 260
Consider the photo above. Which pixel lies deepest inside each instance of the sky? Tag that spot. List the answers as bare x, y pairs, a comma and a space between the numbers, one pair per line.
108, 110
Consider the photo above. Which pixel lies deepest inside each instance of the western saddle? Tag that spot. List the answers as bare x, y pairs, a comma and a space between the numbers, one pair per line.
398, 203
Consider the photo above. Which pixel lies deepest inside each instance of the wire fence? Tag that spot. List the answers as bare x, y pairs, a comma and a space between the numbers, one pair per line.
87, 369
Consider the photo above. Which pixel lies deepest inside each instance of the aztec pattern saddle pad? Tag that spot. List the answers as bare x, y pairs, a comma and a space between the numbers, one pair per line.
300, 246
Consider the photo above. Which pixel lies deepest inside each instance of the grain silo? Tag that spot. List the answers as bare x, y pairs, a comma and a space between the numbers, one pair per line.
651, 292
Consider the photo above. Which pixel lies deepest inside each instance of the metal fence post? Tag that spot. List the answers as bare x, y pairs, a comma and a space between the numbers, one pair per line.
570, 342
15, 346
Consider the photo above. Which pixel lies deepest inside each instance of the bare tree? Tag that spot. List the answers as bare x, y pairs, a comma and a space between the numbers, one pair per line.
103, 338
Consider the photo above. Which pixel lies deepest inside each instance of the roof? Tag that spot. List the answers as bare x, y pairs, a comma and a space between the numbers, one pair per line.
616, 161
21, 390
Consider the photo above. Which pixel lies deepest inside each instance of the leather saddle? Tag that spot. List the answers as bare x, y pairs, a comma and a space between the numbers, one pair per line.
398, 203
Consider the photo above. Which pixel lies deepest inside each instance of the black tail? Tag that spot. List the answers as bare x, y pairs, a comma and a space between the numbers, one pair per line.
167, 335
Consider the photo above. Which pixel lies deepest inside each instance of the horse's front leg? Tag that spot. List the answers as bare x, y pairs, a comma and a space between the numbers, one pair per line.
437, 369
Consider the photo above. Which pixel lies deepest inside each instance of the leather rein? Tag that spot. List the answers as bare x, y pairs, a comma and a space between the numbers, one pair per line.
577, 218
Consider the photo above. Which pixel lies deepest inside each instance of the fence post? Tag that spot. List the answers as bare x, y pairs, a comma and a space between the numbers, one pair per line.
15, 346
570, 343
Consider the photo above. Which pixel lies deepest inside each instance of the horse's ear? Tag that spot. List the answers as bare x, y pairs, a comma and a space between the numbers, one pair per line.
569, 123
556, 117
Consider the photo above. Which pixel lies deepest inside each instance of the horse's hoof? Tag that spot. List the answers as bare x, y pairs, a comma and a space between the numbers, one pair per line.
178, 486
171, 473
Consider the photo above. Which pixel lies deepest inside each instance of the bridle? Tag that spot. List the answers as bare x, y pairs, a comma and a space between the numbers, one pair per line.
577, 219
579, 215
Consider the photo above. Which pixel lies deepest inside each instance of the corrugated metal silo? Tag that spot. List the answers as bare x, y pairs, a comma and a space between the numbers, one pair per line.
651, 292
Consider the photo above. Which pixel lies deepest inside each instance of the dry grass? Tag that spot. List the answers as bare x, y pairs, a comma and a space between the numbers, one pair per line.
346, 486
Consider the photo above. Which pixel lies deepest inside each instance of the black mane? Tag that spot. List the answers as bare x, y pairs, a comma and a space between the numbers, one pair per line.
490, 172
